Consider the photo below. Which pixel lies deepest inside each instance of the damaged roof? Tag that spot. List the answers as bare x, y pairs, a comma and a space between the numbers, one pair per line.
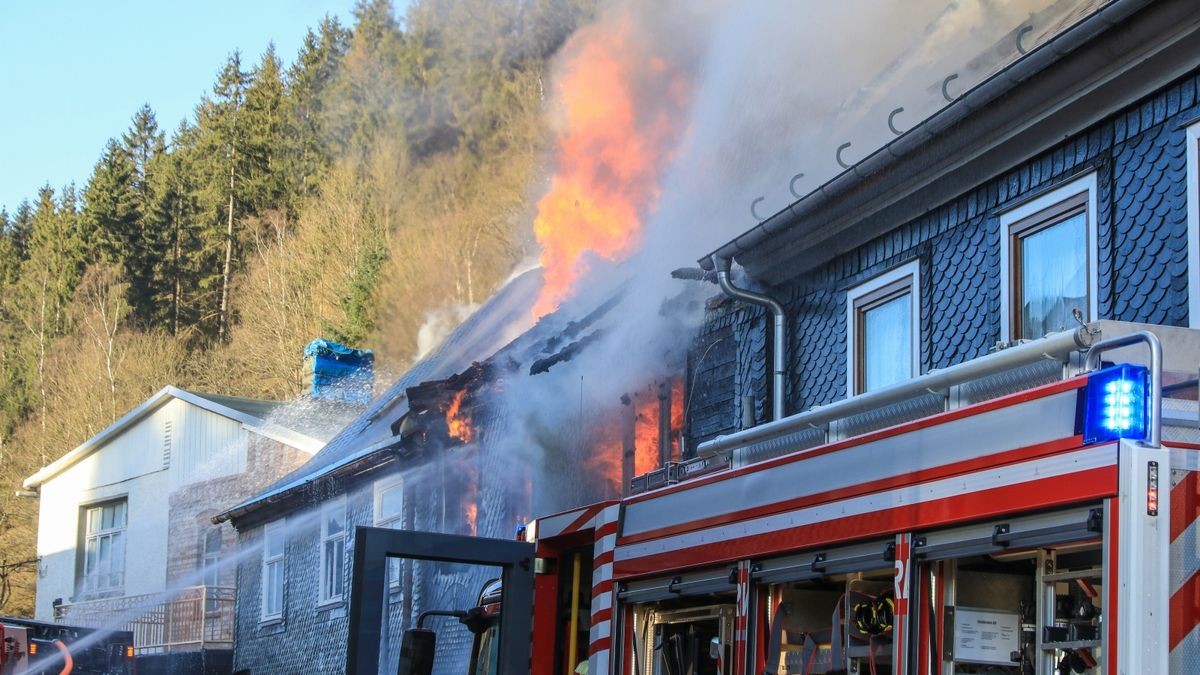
1069, 81
497, 334
481, 335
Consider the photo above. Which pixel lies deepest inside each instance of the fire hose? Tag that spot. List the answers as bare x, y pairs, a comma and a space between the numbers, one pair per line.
68, 662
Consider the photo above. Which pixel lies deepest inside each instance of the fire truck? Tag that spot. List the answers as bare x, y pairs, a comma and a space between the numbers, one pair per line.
1033, 511
30, 647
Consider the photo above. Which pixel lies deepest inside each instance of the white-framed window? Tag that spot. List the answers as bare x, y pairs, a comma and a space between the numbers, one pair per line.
272, 570
1048, 260
333, 551
1193, 222
389, 512
883, 324
104, 547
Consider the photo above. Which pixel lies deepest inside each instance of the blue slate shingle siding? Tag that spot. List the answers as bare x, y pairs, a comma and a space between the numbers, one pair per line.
312, 639
1139, 157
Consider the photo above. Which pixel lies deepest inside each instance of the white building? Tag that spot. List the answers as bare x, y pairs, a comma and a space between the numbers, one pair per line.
126, 516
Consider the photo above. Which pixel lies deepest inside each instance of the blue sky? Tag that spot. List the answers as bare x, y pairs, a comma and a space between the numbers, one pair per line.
72, 73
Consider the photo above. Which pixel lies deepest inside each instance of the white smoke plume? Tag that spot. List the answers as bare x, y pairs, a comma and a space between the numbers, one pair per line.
775, 88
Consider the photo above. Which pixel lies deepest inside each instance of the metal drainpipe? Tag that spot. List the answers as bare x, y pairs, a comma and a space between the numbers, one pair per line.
722, 266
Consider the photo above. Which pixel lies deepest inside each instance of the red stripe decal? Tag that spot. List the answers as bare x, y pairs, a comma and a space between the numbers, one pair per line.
600, 645
1185, 503
1185, 610
603, 559
925, 422
579, 523
1035, 494
601, 615
605, 530
891, 482
602, 588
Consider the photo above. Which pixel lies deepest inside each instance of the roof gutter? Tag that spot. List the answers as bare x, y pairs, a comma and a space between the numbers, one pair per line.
979, 96
779, 344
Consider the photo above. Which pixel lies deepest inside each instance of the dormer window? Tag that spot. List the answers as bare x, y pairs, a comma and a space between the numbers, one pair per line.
1048, 248
883, 323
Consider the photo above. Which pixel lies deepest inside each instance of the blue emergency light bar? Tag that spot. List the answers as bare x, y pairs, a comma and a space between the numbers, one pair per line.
1116, 404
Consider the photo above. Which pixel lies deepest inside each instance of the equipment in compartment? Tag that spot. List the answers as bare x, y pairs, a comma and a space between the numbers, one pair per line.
841, 625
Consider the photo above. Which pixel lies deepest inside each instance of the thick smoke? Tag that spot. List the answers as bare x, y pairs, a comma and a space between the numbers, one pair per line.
775, 88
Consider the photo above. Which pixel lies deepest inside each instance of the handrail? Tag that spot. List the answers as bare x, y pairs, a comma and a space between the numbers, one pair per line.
1057, 346
1092, 362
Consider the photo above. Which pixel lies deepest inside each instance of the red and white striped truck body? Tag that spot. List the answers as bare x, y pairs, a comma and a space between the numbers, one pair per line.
884, 552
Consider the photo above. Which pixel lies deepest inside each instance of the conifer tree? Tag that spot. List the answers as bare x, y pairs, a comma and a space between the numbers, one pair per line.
19, 227
116, 199
308, 82
175, 210
265, 184
221, 145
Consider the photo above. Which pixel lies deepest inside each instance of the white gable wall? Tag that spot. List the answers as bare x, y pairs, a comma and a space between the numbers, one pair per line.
201, 445
204, 445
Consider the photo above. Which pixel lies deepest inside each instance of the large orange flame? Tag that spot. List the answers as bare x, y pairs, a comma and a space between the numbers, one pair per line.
457, 422
621, 106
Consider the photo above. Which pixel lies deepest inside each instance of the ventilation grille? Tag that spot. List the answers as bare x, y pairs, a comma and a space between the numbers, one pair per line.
167, 444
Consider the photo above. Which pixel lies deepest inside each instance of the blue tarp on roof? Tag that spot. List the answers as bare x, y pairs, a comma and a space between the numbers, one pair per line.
340, 372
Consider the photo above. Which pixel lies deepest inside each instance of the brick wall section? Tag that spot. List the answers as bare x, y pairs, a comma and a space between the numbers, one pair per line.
192, 507
1139, 157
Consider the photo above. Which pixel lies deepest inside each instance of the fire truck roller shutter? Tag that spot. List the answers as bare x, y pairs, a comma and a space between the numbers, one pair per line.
818, 563
1011, 534
706, 582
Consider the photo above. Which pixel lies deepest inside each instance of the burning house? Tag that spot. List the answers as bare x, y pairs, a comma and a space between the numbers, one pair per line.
902, 400
444, 449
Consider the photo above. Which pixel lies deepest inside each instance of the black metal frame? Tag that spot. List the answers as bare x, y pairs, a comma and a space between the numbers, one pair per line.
372, 548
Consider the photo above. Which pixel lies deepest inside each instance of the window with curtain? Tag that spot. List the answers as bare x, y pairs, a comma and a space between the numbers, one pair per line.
104, 547
389, 512
272, 572
882, 324
333, 551
210, 563
1049, 269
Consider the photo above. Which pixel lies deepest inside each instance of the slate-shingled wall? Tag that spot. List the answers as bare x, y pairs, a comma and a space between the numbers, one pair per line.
1139, 157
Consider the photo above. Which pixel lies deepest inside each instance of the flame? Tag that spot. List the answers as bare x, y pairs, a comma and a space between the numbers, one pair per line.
605, 462
471, 512
611, 151
457, 421
645, 432
470, 503
677, 418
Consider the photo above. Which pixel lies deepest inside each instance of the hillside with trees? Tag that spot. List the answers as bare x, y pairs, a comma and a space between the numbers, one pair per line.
382, 176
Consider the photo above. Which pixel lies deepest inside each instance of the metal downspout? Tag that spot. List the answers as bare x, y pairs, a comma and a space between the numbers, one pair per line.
722, 266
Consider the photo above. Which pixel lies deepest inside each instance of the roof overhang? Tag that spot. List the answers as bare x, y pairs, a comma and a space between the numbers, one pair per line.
1107, 61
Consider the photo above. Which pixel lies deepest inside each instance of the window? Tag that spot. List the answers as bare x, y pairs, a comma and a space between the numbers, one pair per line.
210, 561
104, 547
389, 512
272, 572
333, 551
883, 324
1193, 211
1048, 246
